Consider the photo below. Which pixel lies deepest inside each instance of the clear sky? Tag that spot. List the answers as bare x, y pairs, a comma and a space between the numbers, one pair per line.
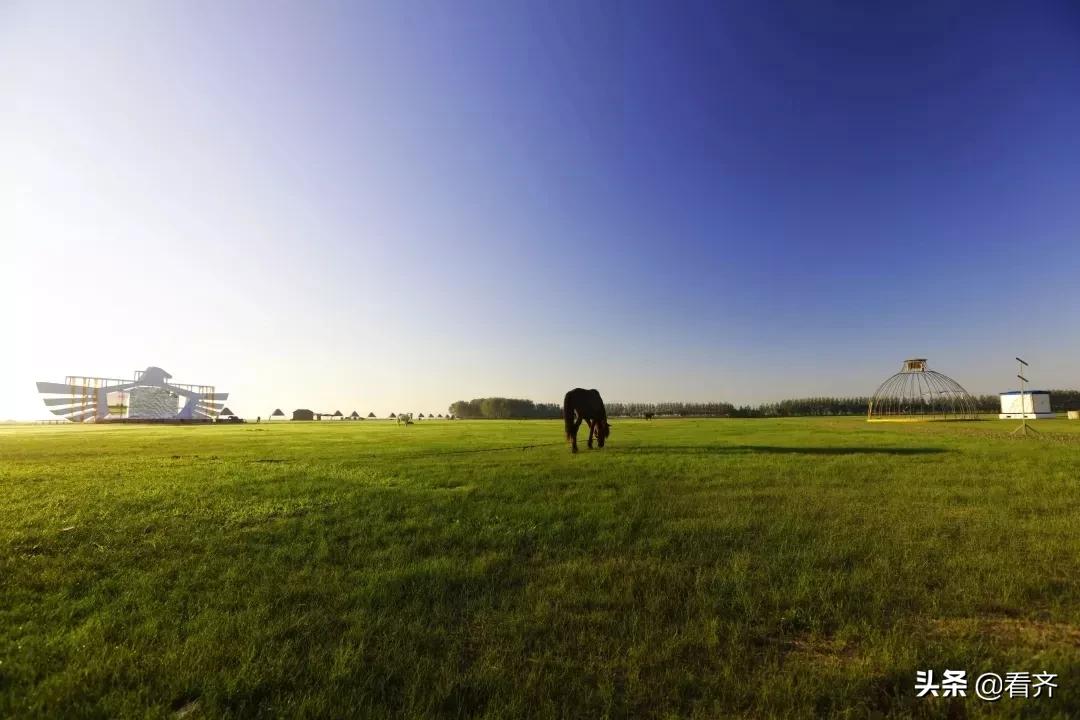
391, 206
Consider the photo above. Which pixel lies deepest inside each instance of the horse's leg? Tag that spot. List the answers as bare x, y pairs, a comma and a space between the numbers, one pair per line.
573, 435
592, 432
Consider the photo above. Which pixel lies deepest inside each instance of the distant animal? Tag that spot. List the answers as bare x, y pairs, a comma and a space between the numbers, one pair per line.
648, 416
585, 405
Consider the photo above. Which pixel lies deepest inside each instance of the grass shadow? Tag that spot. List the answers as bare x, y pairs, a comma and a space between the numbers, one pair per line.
780, 450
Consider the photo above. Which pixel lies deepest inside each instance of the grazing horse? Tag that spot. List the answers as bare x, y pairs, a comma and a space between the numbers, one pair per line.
585, 405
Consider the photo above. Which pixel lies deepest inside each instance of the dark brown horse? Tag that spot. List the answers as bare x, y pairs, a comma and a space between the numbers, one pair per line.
585, 405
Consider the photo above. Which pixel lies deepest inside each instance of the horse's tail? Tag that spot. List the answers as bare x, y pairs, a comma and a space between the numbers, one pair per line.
568, 415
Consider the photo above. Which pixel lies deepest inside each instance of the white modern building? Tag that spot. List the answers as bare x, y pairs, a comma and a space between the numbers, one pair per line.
149, 396
1031, 404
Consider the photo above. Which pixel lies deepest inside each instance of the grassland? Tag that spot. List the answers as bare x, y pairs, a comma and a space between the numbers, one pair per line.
742, 568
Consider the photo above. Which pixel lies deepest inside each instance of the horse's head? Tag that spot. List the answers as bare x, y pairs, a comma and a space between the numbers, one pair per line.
602, 431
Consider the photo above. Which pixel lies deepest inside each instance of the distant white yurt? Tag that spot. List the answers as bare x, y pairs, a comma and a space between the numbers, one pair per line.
1031, 404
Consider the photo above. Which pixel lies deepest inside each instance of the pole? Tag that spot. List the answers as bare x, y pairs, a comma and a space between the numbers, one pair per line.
1023, 429
1023, 404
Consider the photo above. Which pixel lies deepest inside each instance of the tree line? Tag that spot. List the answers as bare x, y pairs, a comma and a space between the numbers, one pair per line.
499, 408
819, 406
1062, 400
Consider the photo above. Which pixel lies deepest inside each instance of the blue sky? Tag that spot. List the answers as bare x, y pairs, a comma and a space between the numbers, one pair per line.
391, 206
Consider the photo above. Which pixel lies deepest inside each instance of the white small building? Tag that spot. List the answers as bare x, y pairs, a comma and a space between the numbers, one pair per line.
1032, 404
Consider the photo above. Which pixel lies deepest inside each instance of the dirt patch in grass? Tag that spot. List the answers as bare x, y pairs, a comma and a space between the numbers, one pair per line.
185, 709
1011, 631
821, 651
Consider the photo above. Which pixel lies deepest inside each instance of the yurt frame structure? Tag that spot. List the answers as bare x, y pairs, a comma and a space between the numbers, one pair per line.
918, 394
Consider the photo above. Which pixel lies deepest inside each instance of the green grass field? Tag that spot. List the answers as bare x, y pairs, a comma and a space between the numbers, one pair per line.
712, 568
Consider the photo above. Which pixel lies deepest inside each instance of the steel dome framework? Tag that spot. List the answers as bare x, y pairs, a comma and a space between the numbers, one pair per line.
918, 393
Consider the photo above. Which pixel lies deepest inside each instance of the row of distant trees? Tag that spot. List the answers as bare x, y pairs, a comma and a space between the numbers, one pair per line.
493, 408
305, 414
1062, 400
799, 407
500, 408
